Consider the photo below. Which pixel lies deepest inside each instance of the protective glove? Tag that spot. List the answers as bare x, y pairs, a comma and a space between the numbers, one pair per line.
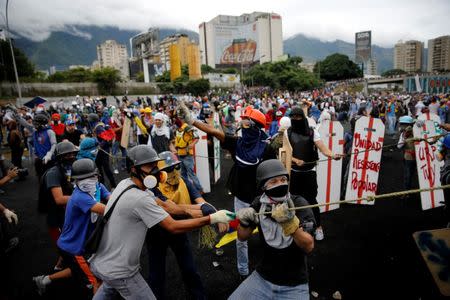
47, 158
221, 216
285, 217
184, 113
247, 216
10, 216
207, 209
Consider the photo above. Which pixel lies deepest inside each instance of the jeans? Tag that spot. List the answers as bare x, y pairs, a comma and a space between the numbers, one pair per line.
391, 124
158, 241
132, 288
255, 287
241, 247
408, 171
187, 171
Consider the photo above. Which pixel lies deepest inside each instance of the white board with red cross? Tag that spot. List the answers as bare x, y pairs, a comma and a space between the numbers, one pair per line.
365, 160
201, 166
329, 172
429, 116
428, 167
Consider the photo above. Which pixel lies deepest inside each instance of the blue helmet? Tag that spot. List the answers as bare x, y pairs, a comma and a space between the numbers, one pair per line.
406, 120
446, 141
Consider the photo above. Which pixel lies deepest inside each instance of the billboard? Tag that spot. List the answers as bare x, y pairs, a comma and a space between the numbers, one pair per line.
236, 45
145, 44
363, 46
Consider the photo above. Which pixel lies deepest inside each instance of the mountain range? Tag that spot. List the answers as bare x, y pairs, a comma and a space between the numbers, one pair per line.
77, 46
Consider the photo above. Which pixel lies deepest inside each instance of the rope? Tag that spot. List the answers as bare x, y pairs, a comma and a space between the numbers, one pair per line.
384, 146
369, 198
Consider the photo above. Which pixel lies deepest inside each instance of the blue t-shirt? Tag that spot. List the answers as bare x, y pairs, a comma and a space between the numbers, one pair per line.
77, 223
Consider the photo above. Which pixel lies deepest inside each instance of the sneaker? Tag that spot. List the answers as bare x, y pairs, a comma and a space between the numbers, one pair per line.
116, 171
41, 286
319, 234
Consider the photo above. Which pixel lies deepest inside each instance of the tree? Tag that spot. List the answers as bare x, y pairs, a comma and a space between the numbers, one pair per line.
140, 77
165, 77
198, 87
24, 67
393, 72
337, 67
106, 79
207, 69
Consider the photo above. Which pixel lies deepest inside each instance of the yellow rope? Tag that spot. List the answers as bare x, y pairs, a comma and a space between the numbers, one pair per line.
369, 198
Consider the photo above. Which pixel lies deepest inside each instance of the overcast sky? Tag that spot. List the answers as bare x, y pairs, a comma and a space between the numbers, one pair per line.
389, 20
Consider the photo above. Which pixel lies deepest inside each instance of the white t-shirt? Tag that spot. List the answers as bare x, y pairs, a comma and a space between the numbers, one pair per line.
118, 255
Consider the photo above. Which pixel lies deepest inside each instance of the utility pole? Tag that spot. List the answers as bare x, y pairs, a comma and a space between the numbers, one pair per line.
19, 91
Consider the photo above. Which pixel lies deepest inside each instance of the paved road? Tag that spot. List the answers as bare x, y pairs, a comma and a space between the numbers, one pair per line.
368, 251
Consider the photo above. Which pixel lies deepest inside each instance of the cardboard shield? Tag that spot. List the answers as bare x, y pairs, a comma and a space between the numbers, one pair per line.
365, 159
428, 167
329, 172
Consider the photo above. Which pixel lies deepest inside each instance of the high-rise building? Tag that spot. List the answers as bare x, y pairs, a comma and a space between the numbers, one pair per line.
371, 67
112, 54
439, 54
145, 54
182, 41
241, 41
408, 56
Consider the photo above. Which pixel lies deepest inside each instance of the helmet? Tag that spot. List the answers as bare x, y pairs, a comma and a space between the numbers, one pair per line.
285, 123
142, 154
168, 160
93, 117
83, 168
255, 115
148, 110
406, 120
446, 141
269, 169
40, 120
65, 148
56, 117
142, 110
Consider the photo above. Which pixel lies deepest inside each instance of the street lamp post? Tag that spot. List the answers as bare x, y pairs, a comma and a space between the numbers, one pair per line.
19, 91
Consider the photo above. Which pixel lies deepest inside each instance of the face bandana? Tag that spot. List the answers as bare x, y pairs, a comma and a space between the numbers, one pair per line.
277, 193
88, 185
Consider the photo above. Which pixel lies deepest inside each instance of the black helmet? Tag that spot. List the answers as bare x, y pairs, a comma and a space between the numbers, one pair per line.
65, 148
40, 119
168, 160
269, 169
142, 154
83, 168
92, 117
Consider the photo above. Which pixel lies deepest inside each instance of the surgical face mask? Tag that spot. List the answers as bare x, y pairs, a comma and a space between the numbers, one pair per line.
277, 193
88, 185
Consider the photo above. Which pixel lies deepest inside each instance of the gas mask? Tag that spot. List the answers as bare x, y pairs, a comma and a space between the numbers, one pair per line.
151, 179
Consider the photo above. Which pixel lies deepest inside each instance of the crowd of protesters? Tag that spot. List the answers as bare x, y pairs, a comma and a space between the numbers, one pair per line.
77, 150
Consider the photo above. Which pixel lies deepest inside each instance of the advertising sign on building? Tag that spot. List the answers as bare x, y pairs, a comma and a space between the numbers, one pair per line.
236, 45
363, 46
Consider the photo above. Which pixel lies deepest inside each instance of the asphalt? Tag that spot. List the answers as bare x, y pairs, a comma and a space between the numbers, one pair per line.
368, 251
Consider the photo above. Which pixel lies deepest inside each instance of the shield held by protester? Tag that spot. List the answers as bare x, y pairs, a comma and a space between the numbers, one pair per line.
428, 167
125, 133
329, 171
285, 153
365, 160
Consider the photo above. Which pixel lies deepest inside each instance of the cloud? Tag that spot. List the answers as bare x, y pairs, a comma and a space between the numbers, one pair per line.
327, 20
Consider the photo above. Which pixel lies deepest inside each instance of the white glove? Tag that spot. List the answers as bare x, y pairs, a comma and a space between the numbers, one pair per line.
10, 216
184, 113
47, 158
221, 216
247, 216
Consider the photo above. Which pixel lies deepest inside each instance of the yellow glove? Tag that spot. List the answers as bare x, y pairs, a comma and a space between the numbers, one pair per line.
285, 217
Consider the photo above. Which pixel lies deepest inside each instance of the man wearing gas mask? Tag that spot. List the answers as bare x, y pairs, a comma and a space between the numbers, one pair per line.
305, 141
184, 194
285, 235
247, 151
117, 261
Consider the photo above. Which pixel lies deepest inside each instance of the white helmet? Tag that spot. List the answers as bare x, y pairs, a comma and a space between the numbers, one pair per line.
285, 123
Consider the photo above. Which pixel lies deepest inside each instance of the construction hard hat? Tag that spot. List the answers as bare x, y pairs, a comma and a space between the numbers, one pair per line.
142, 154
168, 161
65, 148
269, 169
40, 119
83, 168
148, 110
254, 115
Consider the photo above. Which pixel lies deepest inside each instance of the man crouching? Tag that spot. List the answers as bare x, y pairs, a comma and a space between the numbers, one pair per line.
285, 237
